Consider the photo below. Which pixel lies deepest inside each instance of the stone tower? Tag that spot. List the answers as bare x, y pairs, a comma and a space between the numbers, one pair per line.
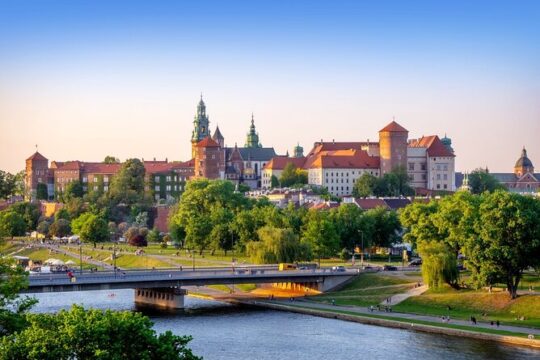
217, 137
200, 127
393, 147
252, 139
523, 165
298, 151
37, 172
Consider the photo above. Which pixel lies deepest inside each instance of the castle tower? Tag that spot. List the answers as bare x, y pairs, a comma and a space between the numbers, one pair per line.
252, 139
298, 151
37, 171
447, 142
217, 137
209, 161
393, 147
523, 165
200, 127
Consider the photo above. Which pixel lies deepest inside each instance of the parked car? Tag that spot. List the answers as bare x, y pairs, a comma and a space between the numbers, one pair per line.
415, 262
389, 268
338, 268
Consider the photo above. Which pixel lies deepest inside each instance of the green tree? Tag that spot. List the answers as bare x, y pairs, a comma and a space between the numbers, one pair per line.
43, 227
320, 234
91, 227
274, 182
127, 186
439, 264
7, 185
73, 190
154, 236
11, 224
386, 227
29, 211
481, 180
277, 245
507, 240
60, 228
13, 279
93, 334
111, 160
364, 186
63, 213
41, 192
352, 224
291, 176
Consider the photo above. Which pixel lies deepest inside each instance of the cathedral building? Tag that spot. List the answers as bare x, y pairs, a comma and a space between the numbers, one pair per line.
214, 160
523, 179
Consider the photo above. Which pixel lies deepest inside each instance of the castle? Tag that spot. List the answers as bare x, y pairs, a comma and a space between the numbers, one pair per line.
429, 162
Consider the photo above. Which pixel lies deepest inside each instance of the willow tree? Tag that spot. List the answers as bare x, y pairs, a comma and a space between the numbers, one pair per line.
439, 264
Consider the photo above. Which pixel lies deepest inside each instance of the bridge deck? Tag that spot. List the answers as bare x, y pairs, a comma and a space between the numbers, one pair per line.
170, 278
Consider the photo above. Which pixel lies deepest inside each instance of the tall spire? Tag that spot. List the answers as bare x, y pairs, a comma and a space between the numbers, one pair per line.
252, 139
200, 126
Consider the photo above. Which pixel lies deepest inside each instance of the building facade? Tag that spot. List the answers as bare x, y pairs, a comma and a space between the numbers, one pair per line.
429, 161
523, 179
214, 160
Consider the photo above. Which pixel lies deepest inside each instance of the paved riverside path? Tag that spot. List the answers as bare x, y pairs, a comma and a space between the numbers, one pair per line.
396, 299
364, 310
76, 256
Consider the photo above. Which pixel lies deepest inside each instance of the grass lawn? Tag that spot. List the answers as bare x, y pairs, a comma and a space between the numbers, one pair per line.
422, 322
367, 289
37, 254
8, 247
465, 303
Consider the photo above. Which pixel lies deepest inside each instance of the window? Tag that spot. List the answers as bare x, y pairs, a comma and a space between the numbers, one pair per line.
445, 176
156, 179
106, 188
95, 188
168, 178
168, 187
445, 167
213, 156
424, 177
438, 167
95, 179
438, 186
106, 179
84, 188
423, 166
438, 176
411, 166
84, 179
39, 179
157, 188
445, 186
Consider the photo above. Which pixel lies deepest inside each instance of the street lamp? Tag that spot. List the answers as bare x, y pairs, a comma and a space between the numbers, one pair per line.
362, 253
80, 257
193, 258
114, 260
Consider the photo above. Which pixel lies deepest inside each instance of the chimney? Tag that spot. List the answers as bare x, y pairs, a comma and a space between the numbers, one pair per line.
154, 159
166, 160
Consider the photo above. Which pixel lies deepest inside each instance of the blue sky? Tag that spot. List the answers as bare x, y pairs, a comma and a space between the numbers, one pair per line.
84, 79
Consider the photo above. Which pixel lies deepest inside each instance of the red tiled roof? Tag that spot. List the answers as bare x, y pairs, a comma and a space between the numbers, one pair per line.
367, 204
393, 127
89, 167
207, 142
434, 146
358, 159
37, 156
333, 146
324, 206
279, 162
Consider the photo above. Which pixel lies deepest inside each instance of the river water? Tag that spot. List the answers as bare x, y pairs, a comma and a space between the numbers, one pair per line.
223, 331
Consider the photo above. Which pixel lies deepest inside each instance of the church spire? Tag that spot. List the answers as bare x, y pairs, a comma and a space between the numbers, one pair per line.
252, 139
200, 126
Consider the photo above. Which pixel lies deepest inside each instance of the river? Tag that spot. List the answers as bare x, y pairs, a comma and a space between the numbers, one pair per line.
223, 331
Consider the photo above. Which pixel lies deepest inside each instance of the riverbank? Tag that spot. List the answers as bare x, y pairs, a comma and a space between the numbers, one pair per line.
341, 313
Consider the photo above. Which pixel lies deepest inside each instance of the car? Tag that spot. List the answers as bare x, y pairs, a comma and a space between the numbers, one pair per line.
415, 262
338, 268
389, 268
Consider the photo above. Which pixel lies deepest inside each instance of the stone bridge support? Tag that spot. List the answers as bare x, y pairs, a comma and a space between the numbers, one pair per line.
164, 298
324, 285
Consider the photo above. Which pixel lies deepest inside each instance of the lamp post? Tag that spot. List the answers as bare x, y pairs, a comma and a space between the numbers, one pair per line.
80, 258
362, 253
193, 258
114, 260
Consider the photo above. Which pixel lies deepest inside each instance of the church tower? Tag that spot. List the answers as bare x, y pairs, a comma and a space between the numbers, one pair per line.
523, 165
252, 140
200, 127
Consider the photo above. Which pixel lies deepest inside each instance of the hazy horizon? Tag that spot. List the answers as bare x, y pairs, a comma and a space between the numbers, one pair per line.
86, 79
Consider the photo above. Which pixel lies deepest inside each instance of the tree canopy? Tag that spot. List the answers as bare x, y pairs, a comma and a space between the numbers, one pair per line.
481, 180
291, 176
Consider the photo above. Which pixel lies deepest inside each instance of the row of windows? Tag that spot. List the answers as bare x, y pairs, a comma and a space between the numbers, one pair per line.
96, 179
445, 186
169, 178
412, 166
168, 188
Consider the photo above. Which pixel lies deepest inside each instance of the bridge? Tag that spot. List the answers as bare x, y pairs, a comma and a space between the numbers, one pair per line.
163, 288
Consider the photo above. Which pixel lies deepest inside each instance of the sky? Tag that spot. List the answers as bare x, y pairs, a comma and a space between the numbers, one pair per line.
86, 79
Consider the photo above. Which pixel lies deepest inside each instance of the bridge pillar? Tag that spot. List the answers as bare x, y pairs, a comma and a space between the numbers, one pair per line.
166, 298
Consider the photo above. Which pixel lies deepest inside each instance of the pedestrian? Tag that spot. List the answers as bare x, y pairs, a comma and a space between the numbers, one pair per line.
497, 323
492, 323
333, 302
474, 320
